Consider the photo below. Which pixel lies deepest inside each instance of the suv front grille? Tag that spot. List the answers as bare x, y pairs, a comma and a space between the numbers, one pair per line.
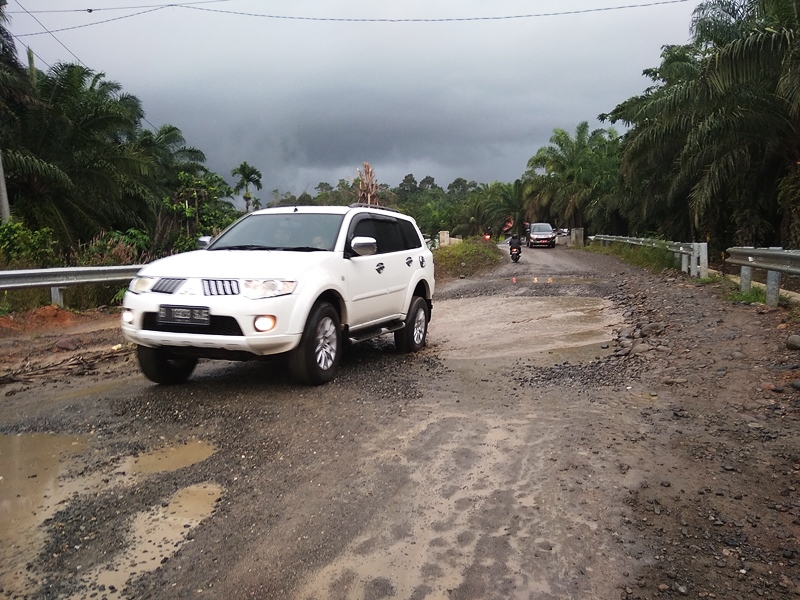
219, 325
220, 287
167, 285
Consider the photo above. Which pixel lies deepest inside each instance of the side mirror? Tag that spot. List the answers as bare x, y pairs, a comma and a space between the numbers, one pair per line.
364, 246
203, 241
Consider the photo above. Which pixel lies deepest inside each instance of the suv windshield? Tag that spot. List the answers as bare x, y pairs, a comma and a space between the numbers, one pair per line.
285, 231
541, 228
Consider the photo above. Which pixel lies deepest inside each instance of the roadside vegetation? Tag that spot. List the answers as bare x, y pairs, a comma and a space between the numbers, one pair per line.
471, 257
654, 259
710, 153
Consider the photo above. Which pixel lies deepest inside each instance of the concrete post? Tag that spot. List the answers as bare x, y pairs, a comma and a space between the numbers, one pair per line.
773, 287
745, 279
703, 259
57, 296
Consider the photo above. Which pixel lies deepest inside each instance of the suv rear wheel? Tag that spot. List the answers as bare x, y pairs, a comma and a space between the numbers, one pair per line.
411, 337
316, 359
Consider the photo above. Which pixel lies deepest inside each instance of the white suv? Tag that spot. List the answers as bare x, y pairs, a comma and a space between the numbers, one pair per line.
298, 280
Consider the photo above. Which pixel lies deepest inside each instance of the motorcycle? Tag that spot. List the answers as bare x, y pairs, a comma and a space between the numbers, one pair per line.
515, 254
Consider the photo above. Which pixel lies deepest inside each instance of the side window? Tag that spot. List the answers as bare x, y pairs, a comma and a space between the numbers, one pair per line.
410, 235
366, 228
386, 232
390, 238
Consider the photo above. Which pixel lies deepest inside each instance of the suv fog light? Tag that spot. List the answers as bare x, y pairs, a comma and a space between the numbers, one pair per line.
127, 316
264, 323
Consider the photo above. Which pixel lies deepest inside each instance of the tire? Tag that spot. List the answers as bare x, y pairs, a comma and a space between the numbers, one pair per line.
159, 365
316, 359
412, 337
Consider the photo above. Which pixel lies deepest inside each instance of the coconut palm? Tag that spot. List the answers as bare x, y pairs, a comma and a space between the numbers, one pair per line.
248, 175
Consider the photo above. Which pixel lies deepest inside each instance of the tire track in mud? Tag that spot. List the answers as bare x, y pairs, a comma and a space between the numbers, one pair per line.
503, 502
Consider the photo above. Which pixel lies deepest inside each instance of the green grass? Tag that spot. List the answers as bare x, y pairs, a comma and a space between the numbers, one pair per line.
710, 280
755, 295
654, 259
472, 256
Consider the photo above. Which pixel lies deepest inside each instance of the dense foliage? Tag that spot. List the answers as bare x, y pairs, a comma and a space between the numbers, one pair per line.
710, 153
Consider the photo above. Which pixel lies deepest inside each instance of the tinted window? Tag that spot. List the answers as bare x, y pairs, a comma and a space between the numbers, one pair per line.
385, 231
410, 235
390, 239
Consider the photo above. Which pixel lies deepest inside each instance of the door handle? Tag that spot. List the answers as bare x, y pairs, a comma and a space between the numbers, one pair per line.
380, 267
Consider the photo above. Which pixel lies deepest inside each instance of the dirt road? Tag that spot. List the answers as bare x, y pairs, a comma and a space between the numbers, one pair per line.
576, 428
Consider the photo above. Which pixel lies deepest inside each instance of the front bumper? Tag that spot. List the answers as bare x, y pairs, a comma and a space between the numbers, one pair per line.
231, 327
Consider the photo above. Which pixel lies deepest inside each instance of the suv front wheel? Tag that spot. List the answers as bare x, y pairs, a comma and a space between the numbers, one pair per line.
159, 365
411, 337
316, 359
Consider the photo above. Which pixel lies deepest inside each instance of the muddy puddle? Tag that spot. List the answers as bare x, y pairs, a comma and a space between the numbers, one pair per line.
37, 479
556, 328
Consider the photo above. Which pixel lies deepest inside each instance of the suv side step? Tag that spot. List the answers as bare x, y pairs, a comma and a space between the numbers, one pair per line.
373, 332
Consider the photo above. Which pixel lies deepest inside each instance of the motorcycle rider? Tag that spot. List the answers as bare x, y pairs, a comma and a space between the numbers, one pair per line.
515, 242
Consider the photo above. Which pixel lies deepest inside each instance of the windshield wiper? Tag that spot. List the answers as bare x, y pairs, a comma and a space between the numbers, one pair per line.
307, 249
246, 247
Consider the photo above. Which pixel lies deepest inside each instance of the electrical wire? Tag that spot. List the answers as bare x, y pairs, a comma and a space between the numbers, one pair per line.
50, 33
68, 50
111, 8
441, 20
192, 6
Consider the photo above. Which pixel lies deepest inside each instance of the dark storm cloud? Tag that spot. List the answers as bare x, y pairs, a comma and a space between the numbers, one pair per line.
310, 101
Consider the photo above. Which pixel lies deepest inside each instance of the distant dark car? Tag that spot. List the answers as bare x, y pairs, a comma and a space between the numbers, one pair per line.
542, 234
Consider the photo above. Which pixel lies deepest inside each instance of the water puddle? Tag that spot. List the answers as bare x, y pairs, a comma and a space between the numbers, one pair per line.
35, 483
157, 534
170, 458
31, 488
536, 328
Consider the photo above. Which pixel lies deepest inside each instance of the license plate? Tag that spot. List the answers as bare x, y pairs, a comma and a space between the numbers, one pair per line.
183, 315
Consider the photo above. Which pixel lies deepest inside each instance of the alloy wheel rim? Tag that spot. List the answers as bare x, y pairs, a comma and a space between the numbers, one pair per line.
419, 326
327, 344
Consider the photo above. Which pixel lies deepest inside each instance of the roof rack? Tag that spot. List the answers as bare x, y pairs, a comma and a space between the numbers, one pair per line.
365, 205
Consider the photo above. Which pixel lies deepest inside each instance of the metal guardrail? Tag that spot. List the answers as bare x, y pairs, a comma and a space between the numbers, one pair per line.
59, 278
773, 260
693, 255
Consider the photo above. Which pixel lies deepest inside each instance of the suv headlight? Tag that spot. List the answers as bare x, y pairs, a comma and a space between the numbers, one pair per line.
266, 288
139, 285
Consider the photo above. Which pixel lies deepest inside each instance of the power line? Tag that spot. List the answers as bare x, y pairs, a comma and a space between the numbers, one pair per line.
50, 33
192, 6
144, 12
46, 30
112, 8
441, 20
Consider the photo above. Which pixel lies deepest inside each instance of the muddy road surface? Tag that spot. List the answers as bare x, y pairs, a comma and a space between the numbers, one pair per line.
576, 428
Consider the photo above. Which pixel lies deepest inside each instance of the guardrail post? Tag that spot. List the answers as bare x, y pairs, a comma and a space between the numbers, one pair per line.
684, 262
773, 287
702, 251
57, 295
745, 279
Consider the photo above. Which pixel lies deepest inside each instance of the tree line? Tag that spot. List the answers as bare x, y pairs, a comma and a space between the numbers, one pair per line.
710, 152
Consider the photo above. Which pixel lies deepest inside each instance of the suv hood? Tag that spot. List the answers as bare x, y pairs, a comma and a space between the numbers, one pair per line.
238, 264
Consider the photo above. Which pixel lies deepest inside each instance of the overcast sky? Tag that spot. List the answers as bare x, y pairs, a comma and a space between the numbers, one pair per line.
308, 90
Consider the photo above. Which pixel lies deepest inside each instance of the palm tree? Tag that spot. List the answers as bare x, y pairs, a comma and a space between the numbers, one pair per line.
716, 137
565, 177
248, 175
69, 161
508, 205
